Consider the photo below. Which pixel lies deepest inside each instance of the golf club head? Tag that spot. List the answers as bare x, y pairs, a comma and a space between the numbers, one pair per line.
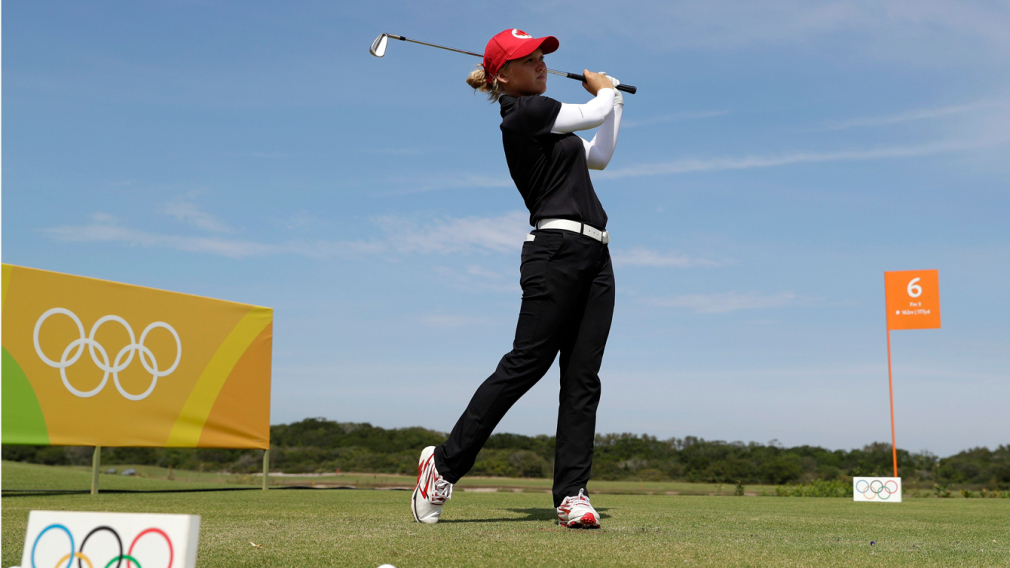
378, 48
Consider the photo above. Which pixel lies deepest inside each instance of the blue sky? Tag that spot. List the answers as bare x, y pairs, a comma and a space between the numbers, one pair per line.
779, 157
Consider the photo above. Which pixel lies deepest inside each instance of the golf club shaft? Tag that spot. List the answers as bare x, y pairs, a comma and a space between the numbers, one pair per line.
576, 76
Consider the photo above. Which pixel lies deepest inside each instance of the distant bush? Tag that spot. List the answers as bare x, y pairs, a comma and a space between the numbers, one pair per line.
977, 466
508, 463
317, 445
817, 488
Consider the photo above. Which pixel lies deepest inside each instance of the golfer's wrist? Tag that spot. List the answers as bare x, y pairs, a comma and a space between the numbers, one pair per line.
607, 94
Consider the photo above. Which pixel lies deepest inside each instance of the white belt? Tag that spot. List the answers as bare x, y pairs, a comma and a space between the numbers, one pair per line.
575, 227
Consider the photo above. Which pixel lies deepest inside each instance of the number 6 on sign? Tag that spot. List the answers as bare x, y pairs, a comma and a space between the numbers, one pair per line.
913, 299
914, 290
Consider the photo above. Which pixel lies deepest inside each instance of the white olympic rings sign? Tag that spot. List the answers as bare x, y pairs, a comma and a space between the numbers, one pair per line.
122, 360
876, 488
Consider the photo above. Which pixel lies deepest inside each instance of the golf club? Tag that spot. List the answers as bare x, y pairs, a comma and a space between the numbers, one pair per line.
378, 49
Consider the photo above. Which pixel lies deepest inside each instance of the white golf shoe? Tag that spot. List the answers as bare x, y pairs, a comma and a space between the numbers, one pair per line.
431, 491
575, 512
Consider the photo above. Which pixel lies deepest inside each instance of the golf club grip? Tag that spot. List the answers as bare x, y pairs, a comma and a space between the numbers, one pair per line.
621, 87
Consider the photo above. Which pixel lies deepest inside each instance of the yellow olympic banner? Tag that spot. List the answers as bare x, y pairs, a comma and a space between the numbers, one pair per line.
88, 362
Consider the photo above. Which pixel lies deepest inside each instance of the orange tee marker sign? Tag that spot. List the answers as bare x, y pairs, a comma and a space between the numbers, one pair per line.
913, 299
913, 302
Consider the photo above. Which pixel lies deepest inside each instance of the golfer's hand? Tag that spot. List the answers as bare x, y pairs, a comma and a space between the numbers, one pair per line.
596, 81
618, 98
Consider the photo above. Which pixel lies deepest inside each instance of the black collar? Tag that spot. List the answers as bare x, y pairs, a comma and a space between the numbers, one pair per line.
507, 103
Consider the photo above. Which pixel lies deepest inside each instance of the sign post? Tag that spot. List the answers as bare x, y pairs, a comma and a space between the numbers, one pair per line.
913, 302
96, 463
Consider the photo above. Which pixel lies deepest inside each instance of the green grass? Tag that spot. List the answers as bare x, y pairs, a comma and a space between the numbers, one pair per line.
367, 528
23, 476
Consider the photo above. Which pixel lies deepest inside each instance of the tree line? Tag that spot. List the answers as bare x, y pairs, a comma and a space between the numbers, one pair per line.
317, 445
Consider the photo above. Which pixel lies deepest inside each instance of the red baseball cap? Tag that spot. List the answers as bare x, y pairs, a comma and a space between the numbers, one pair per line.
513, 44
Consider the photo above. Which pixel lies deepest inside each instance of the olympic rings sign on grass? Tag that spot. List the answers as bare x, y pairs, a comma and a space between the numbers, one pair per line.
120, 363
877, 489
117, 559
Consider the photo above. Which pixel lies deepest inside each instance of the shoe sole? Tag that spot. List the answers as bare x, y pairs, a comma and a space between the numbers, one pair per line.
413, 505
413, 509
588, 521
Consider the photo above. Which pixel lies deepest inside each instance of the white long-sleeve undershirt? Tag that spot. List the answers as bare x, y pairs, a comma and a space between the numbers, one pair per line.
602, 111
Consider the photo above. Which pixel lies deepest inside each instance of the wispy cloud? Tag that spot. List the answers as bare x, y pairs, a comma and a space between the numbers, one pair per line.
406, 151
675, 117
688, 165
920, 114
726, 302
445, 321
477, 270
298, 221
503, 233
191, 214
477, 280
921, 31
105, 228
105, 231
102, 217
647, 257
404, 186
259, 155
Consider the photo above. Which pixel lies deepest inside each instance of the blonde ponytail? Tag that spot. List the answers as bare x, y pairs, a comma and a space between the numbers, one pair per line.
478, 80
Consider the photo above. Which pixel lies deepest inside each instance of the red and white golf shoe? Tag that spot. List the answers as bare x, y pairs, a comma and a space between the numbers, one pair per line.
431, 491
575, 512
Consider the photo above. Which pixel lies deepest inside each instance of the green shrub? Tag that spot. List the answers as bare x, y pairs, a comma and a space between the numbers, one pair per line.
316, 445
818, 488
650, 474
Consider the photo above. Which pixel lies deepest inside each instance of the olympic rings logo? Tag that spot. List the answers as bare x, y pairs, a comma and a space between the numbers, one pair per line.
877, 488
118, 559
122, 360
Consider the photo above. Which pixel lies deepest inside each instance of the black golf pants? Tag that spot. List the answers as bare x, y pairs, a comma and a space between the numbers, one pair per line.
567, 307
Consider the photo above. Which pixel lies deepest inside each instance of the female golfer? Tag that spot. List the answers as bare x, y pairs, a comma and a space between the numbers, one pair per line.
566, 274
